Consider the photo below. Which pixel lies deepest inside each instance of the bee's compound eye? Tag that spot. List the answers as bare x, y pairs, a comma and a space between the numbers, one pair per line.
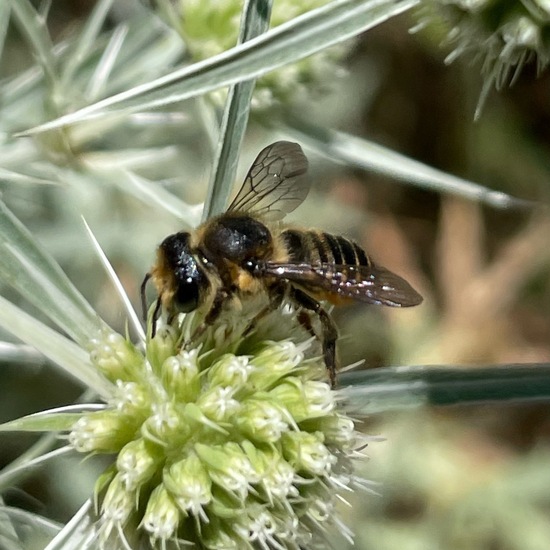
189, 278
189, 281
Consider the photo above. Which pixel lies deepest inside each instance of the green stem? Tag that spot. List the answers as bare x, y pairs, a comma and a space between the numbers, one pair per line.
255, 21
394, 388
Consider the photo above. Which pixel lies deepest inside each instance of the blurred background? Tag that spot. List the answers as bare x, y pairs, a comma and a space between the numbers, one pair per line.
463, 477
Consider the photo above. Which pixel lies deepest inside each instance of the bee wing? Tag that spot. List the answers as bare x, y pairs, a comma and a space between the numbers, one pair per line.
274, 185
372, 284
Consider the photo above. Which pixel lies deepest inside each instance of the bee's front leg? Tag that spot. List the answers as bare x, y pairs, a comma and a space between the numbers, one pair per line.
276, 296
210, 318
330, 333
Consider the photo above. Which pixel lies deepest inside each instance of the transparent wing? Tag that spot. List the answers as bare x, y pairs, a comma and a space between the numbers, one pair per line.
371, 284
275, 184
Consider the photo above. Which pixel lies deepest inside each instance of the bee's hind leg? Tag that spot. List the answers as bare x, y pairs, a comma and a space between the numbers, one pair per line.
329, 332
304, 318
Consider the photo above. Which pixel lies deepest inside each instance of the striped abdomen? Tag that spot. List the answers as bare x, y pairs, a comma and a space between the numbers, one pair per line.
317, 247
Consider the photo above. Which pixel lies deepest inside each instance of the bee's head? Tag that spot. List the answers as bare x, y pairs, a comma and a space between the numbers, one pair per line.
180, 280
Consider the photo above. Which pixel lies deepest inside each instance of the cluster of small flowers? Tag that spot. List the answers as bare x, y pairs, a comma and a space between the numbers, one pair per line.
213, 27
504, 35
236, 451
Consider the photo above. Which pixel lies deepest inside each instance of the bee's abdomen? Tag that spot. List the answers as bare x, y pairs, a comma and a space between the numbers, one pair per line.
316, 247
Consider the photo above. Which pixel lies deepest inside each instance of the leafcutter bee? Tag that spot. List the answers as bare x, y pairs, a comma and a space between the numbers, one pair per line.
246, 251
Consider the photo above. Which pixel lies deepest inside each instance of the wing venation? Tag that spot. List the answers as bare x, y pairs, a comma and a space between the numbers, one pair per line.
274, 185
372, 284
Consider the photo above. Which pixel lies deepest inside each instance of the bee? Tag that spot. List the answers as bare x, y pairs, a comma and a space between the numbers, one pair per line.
246, 251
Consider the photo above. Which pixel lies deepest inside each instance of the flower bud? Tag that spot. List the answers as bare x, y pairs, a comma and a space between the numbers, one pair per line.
137, 462
118, 503
131, 399
115, 356
272, 363
307, 453
257, 526
165, 424
262, 421
180, 375
228, 466
276, 476
162, 516
103, 431
230, 370
339, 430
189, 484
218, 403
217, 537
304, 400
162, 346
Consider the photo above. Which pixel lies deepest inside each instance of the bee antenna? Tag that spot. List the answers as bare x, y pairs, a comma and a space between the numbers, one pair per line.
143, 297
156, 315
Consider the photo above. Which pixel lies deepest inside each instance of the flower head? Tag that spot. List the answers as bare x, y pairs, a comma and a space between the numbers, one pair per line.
502, 35
213, 27
228, 446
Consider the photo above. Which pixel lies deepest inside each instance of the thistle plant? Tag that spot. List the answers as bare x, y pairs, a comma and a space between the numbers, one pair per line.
212, 29
233, 442
501, 36
230, 439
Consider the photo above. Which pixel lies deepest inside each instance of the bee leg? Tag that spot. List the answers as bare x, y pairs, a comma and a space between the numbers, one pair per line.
143, 297
330, 334
304, 319
215, 309
158, 306
155, 318
277, 296
211, 316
